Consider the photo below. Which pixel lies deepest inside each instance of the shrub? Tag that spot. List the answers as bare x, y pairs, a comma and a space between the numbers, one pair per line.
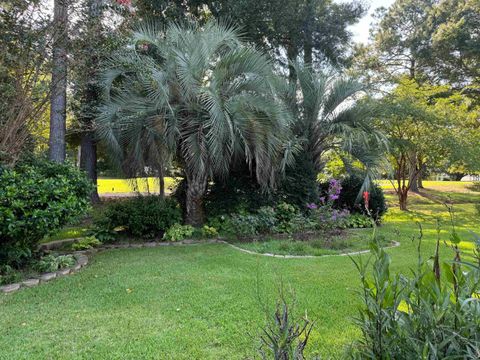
357, 221
9, 275
209, 231
245, 225
178, 232
86, 243
143, 216
432, 315
235, 194
285, 215
51, 263
35, 200
348, 197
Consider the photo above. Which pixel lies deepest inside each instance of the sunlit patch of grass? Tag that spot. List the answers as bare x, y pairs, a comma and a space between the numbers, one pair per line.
125, 186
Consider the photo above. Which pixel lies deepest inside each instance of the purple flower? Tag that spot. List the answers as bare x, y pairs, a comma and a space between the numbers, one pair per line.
333, 197
312, 206
322, 200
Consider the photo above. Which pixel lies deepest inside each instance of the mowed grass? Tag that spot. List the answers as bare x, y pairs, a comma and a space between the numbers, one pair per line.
202, 301
131, 186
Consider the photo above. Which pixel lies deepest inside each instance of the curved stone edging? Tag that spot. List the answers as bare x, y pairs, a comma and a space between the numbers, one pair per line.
81, 261
394, 244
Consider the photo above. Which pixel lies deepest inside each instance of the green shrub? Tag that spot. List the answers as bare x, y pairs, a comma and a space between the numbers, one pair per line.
240, 192
349, 197
178, 232
355, 221
245, 225
9, 275
51, 263
285, 215
209, 231
434, 314
35, 200
86, 243
143, 216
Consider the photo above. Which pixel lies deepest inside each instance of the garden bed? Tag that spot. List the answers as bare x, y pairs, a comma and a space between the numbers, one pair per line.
311, 243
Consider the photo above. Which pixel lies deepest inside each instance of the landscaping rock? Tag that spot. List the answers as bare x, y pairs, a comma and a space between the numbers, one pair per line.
188, 241
48, 276
30, 282
9, 288
82, 260
76, 267
136, 246
63, 272
150, 244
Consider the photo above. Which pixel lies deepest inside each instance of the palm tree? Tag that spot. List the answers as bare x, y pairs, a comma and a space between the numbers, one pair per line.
200, 96
332, 117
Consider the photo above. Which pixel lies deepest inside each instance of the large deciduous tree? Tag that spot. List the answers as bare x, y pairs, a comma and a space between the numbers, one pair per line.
200, 95
23, 82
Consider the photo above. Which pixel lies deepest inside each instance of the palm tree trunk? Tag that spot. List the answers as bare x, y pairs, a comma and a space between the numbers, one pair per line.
196, 187
58, 100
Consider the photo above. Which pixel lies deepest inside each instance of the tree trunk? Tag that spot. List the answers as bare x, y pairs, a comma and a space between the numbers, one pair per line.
88, 162
58, 97
421, 174
308, 34
292, 54
196, 187
161, 180
413, 172
402, 199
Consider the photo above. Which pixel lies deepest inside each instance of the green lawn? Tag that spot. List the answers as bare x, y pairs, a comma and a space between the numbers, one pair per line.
127, 186
201, 302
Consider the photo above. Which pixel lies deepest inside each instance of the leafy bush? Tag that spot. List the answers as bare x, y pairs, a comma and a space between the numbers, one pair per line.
434, 314
35, 200
285, 215
209, 231
9, 275
143, 216
178, 232
238, 193
51, 263
245, 225
348, 197
86, 243
357, 221
241, 193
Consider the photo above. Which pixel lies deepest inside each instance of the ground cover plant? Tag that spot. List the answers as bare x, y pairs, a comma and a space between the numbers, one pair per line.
158, 296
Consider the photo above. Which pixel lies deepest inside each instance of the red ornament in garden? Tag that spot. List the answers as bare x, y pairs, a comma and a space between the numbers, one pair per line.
366, 197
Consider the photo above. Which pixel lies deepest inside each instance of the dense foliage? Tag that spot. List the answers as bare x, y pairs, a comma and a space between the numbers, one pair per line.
433, 314
350, 197
142, 216
36, 199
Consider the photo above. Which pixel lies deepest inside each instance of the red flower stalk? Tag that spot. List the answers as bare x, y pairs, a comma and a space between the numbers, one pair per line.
366, 198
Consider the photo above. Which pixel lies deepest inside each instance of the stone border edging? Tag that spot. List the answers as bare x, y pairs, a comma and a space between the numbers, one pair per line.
394, 245
81, 261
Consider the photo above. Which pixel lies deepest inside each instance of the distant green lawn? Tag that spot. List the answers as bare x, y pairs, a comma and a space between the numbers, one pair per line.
200, 302
126, 186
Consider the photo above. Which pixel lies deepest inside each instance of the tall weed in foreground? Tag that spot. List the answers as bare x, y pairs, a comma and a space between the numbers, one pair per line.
433, 314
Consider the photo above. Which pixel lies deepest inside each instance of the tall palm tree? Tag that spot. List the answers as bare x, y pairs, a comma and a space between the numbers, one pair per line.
199, 95
332, 117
